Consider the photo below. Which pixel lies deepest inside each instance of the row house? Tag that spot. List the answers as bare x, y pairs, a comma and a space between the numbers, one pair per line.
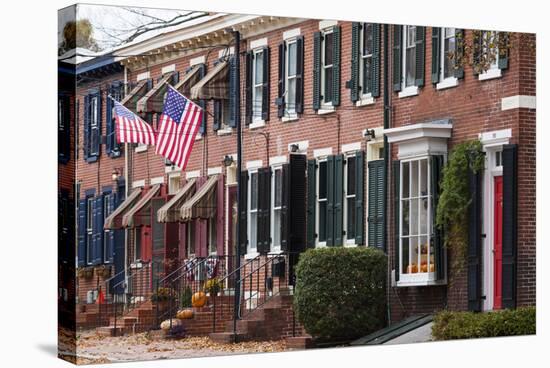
346, 129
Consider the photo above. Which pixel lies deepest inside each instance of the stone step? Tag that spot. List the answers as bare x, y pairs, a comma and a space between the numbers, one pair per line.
247, 326
227, 337
110, 331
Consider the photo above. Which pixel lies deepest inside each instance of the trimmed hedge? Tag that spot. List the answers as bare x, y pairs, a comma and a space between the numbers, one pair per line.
340, 292
466, 325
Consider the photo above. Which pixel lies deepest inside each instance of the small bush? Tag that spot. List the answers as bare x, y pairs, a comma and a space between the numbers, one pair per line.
340, 292
466, 325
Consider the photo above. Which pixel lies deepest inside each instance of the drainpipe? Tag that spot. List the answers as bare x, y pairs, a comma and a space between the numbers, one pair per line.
387, 110
126, 186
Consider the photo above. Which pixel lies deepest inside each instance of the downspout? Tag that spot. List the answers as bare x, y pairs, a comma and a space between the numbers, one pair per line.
126, 184
387, 156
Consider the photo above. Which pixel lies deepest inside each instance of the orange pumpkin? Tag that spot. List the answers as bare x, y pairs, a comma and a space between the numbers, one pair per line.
184, 314
412, 268
198, 300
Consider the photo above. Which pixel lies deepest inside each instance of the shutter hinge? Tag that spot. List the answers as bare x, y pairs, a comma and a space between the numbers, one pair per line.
484, 236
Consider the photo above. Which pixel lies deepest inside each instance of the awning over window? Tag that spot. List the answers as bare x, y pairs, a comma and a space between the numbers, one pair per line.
131, 99
215, 85
191, 78
170, 212
203, 203
153, 101
114, 220
132, 218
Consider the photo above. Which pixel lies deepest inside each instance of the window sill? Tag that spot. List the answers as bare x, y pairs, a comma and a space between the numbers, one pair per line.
408, 92
447, 83
328, 109
418, 279
350, 244
276, 252
365, 101
224, 131
490, 74
291, 117
198, 137
257, 124
141, 148
250, 255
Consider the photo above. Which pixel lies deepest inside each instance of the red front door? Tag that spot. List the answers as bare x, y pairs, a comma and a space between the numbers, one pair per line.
497, 251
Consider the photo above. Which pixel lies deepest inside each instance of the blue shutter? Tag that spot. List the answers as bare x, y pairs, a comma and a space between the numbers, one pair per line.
96, 139
375, 65
81, 251
509, 225
420, 55
97, 231
86, 128
233, 92
249, 61
336, 51
110, 131
359, 198
299, 102
280, 101
338, 200
330, 201
109, 257
397, 55
436, 54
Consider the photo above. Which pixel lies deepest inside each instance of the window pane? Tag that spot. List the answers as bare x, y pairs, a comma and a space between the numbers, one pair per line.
191, 238
253, 229
328, 49
414, 255
327, 96
449, 48
259, 61
350, 228
322, 221
253, 191
423, 216
410, 72
367, 77
367, 39
278, 188
423, 177
405, 180
323, 180
292, 59
291, 95
351, 176
414, 216
424, 262
212, 245
277, 228
414, 179
405, 217
257, 107
405, 255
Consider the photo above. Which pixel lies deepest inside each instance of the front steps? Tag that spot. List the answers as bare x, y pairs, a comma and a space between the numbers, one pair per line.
140, 319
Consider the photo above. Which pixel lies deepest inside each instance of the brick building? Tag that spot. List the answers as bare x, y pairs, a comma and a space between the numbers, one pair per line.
346, 127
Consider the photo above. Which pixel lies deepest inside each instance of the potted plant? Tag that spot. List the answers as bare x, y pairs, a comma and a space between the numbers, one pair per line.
163, 297
85, 273
213, 287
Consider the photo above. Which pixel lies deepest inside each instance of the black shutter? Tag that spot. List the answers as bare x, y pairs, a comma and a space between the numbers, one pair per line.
317, 36
285, 207
86, 129
397, 61
396, 196
297, 223
376, 195
359, 198
264, 210
375, 65
339, 200
217, 120
299, 103
353, 83
330, 201
202, 103
109, 124
280, 101
311, 202
336, 57
243, 212
81, 254
436, 54
509, 224
474, 242
437, 236
265, 85
233, 75
420, 55
459, 53
249, 60
503, 40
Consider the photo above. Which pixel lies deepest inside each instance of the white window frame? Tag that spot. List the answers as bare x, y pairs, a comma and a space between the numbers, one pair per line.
348, 242
493, 71
224, 120
94, 123
411, 90
451, 81
325, 106
89, 228
290, 109
172, 187
365, 97
251, 251
275, 248
320, 160
257, 118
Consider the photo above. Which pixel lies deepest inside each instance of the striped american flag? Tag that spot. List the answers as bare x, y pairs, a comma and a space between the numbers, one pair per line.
178, 127
130, 128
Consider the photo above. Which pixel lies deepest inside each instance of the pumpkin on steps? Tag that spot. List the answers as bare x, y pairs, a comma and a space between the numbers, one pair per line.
199, 299
165, 325
184, 314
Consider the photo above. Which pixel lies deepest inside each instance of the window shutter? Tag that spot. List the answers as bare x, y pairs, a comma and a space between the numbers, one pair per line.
64, 136
330, 201
474, 242
264, 215
359, 198
336, 44
81, 253
297, 168
317, 70
285, 207
396, 197
98, 231
353, 83
265, 85
280, 102
202, 103
109, 125
243, 212
96, 134
397, 61
109, 257
436, 54
503, 40
509, 224
420, 55
220, 212
311, 202
375, 65
86, 128
437, 236
299, 75
249, 71
459, 53
216, 124
233, 92
376, 204
339, 200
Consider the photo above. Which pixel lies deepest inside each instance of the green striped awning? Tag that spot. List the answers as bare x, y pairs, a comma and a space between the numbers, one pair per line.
131, 218
203, 203
191, 78
114, 220
215, 85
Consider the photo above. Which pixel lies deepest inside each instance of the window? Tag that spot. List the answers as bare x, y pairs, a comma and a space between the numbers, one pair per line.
89, 228
174, 184
116, 92
276, 205
448, 49
63, 128
257, 84
327, 67
291, 73
415, 234
350, 194
190, 239
322, 197
253, 212
498, 159
366, 57
94, 126
409, 56
489, 48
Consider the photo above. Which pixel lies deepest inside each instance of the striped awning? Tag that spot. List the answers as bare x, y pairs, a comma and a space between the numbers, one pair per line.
131, 99
170, 212
114, 220
153, 101
191, 78
215, 85
132, 218
203, 203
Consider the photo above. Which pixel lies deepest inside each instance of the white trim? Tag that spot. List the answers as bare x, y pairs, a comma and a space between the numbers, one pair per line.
172, 169
142, 76
517, 102
347, 242
223, 52
275, 167
138, 183
324, 24
250, 255
326, 109
192, 174
365, 100
277, 160
291, 33
287, 119
251, 165
174, 173
260, 42
257, 124
157, 180
225, 131
214, 170
140, 148
447, 83
198, 137
495, 137
168, 68
490, 74
251, 171
420, 130
408, 92
197, 60
302, 146
351, 147
322, 152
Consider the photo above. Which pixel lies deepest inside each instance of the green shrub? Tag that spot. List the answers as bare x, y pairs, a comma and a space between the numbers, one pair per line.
465, 325
340, 292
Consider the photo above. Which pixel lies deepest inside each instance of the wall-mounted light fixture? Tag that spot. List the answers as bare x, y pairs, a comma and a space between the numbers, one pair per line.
228, 161
294, 148
368, 134
116, 174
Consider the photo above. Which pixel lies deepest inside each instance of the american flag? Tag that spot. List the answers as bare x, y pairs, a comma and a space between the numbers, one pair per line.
178, 127
130, 128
